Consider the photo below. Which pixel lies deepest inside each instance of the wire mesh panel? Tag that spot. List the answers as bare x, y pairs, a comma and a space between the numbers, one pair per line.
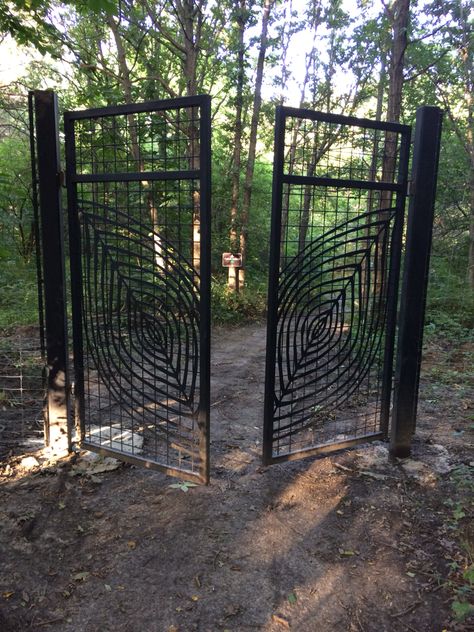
337, 216
138, 190
22, 343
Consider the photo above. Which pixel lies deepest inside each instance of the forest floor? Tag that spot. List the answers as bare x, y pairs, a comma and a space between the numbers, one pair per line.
353, 542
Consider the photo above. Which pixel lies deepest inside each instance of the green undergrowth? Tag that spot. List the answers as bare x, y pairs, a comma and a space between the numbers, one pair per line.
18, 294
450, 302
229, 307
460, 511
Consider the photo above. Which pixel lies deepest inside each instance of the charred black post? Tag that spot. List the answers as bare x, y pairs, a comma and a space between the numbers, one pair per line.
57, 427
415, 281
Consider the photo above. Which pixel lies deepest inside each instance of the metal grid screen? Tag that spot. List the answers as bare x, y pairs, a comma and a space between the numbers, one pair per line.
138, 186
338, 201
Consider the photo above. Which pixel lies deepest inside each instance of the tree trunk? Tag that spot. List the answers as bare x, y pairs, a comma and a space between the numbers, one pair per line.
468, 63
398, 13
126, 83
470, 269
257, 103
189, 14
233, 273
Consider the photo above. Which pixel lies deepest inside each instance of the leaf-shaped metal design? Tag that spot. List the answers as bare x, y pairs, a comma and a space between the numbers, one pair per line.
141, 312
331, 318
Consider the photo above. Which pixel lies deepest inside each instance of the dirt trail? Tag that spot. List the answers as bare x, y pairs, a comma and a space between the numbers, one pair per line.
347, 543
237, 387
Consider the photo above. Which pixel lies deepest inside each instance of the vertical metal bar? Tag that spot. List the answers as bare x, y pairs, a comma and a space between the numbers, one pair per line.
415, 279
75, 263
273, 277
58, 430
36, 228
393, 282
205, 287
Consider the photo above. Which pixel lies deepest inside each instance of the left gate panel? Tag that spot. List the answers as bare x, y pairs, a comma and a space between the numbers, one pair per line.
138, 180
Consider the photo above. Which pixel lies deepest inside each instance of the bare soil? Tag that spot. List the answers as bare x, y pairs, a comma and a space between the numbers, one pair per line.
352, 542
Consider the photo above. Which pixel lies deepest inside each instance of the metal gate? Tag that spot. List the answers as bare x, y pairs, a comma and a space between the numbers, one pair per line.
339, 192
138, 185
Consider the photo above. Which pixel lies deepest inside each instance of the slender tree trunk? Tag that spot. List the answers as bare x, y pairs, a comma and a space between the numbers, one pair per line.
291, 159
398, 13
233, 273
468, 63
190, 17
378, 117
373, 196
470, 269
257, 103
126, 84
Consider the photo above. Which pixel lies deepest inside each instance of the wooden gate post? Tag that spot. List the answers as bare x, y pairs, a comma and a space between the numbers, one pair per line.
415, 278
57, 426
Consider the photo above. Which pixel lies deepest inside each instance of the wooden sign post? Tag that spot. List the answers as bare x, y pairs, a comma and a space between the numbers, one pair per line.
233, 262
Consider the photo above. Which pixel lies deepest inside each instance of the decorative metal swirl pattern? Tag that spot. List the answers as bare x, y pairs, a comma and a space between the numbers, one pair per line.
141, 314
331, 316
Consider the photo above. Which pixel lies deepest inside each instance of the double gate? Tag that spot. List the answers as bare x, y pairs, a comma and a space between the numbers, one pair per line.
138, 197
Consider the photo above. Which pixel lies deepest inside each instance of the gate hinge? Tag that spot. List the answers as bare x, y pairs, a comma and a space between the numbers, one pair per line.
62, 178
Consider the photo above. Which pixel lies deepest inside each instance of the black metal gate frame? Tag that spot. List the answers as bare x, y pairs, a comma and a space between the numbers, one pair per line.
279, 179
203, 175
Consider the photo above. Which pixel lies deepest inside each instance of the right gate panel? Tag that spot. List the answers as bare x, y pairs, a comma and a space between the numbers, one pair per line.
339, 189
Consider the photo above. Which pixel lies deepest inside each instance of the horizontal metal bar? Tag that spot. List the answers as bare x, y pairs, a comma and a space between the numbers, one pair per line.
340, 119
135, 176
322, 449
135, 108
142, 462
341, 183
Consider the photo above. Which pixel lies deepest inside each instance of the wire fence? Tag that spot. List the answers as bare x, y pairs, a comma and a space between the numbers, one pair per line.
21, 391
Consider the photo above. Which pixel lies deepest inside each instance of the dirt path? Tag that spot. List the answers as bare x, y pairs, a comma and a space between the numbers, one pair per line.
348, 543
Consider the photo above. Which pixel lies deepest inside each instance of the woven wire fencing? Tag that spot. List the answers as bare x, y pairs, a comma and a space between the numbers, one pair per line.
21, 391
22, 365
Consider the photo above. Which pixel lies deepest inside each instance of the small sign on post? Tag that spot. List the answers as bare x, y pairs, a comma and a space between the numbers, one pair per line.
230, 260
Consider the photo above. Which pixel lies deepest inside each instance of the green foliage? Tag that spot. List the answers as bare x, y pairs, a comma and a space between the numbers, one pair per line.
232, 308
450, 304
18, 292
461, 579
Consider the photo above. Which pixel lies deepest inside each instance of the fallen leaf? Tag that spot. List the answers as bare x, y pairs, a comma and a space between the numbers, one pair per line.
132, 544
7, 594
292, 598
108, 588
462, 609
231, 611
281, 621
195, 598
61, 504
80, 577
347, 553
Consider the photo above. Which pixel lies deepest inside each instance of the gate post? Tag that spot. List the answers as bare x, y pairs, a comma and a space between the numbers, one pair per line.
415, 277
56, 413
